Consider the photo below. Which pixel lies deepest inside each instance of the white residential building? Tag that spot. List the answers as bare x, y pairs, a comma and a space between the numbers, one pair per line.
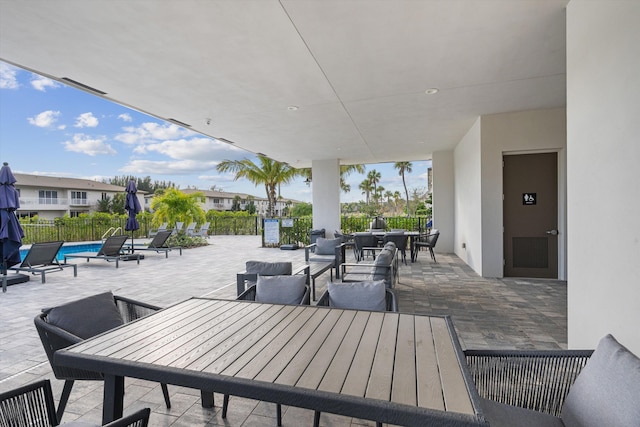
223, 201
51, 197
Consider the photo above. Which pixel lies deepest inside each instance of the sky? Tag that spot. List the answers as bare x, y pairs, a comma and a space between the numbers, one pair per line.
48, 128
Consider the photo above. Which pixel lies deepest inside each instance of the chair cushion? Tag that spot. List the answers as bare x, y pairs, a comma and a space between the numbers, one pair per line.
269, 268
382, 264
284, 289
369, 295
86, 317
607, 390
327, 246
501, 415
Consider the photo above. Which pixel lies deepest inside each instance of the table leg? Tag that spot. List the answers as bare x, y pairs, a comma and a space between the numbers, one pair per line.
206, 398
113, 398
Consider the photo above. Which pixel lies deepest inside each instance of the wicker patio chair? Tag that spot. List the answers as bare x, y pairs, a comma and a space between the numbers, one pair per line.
531, 379
33, 405
54, 337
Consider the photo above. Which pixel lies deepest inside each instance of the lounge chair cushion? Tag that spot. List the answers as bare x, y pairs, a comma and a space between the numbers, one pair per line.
285, 289
358, 295
502, 415
269, 268
327, 246
86, 317
607, 391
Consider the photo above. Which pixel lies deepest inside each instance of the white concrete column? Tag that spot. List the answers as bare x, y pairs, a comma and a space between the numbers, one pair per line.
326, 195
443, 200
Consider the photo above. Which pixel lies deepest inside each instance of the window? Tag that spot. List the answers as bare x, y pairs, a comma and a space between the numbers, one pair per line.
78, 197
104, 196
216, 201
48, 197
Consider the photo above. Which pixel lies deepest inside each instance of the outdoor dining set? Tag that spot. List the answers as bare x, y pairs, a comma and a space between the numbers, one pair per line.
352, 351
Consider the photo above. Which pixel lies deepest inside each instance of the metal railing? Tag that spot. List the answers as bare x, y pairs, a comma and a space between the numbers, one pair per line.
94, 229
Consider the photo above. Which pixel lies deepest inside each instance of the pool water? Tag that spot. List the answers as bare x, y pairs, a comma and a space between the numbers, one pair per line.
69, 249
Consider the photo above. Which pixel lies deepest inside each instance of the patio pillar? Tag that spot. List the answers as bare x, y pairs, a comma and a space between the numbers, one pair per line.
326, 195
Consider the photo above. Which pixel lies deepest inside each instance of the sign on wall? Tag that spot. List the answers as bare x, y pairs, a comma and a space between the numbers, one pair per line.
271, 231
529, 198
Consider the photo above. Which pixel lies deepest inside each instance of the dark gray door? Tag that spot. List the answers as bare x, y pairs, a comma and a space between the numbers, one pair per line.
530, 212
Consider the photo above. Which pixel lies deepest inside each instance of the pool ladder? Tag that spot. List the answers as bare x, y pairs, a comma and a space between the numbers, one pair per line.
111, 232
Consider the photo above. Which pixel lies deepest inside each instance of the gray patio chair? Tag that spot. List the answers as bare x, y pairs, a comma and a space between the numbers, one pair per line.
246, 279
71, 323
558, 387
42, 259
385, 267
373, 296
178, 228
428, 241
33, 405
158, 244
362, 242
400, 240
275, 289
191, 228
326, 250
111, 250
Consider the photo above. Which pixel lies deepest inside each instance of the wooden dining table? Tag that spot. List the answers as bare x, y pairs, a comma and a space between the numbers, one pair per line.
395, 368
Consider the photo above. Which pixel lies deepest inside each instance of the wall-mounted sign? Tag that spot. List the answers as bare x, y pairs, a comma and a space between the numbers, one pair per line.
271, 231
287, 222
529, 198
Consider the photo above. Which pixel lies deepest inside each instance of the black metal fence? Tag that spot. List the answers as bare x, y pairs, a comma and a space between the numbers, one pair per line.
296, 230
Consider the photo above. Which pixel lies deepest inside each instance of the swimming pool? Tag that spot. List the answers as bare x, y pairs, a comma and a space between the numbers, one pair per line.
69, 249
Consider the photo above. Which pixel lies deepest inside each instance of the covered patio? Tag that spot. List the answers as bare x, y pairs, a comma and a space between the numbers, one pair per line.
487, 313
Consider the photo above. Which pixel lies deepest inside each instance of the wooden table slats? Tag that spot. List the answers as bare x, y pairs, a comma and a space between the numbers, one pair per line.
333, 380
319, 365
345, 361
429, 385
356, 381
403, 389
456, 396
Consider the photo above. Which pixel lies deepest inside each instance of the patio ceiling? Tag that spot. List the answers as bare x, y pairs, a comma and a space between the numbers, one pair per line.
357, 71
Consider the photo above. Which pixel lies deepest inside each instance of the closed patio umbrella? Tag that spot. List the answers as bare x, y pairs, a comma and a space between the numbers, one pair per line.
132, 205
11, 233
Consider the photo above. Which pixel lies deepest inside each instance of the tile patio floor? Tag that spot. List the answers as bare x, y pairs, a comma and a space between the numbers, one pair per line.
487, 313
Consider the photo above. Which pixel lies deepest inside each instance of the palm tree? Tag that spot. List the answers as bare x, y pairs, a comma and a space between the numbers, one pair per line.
404, 167
268, 172
366, 188
374, 178
345, 171
388, 195
175, 206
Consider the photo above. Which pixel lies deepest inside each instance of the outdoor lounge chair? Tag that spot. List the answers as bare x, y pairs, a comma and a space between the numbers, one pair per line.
111, 250
277, 289
42, 259
163, 227
158, 244
178, 228
326, 250
33, 405
203, 231
385, 267
558, 387
191, 228
71, 323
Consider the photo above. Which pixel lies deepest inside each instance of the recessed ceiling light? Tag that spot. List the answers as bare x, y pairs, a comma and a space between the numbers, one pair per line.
431, 91
420, 142
292, 108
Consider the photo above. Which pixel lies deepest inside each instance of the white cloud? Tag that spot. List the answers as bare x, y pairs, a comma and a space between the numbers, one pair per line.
42, 83
44, 119
190, 149
167, 167
148, 133
89, 145
86, 120
8, 79
125, 117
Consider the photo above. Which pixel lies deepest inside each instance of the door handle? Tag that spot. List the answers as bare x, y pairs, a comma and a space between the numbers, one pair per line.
553, 232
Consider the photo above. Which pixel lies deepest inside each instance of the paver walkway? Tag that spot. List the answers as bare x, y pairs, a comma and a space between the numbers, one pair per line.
487, 313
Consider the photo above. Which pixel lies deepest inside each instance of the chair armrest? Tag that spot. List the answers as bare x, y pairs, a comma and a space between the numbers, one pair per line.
323, 301
537, 380
307, 249
132, 309
392, 301
248, 295
138, 418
